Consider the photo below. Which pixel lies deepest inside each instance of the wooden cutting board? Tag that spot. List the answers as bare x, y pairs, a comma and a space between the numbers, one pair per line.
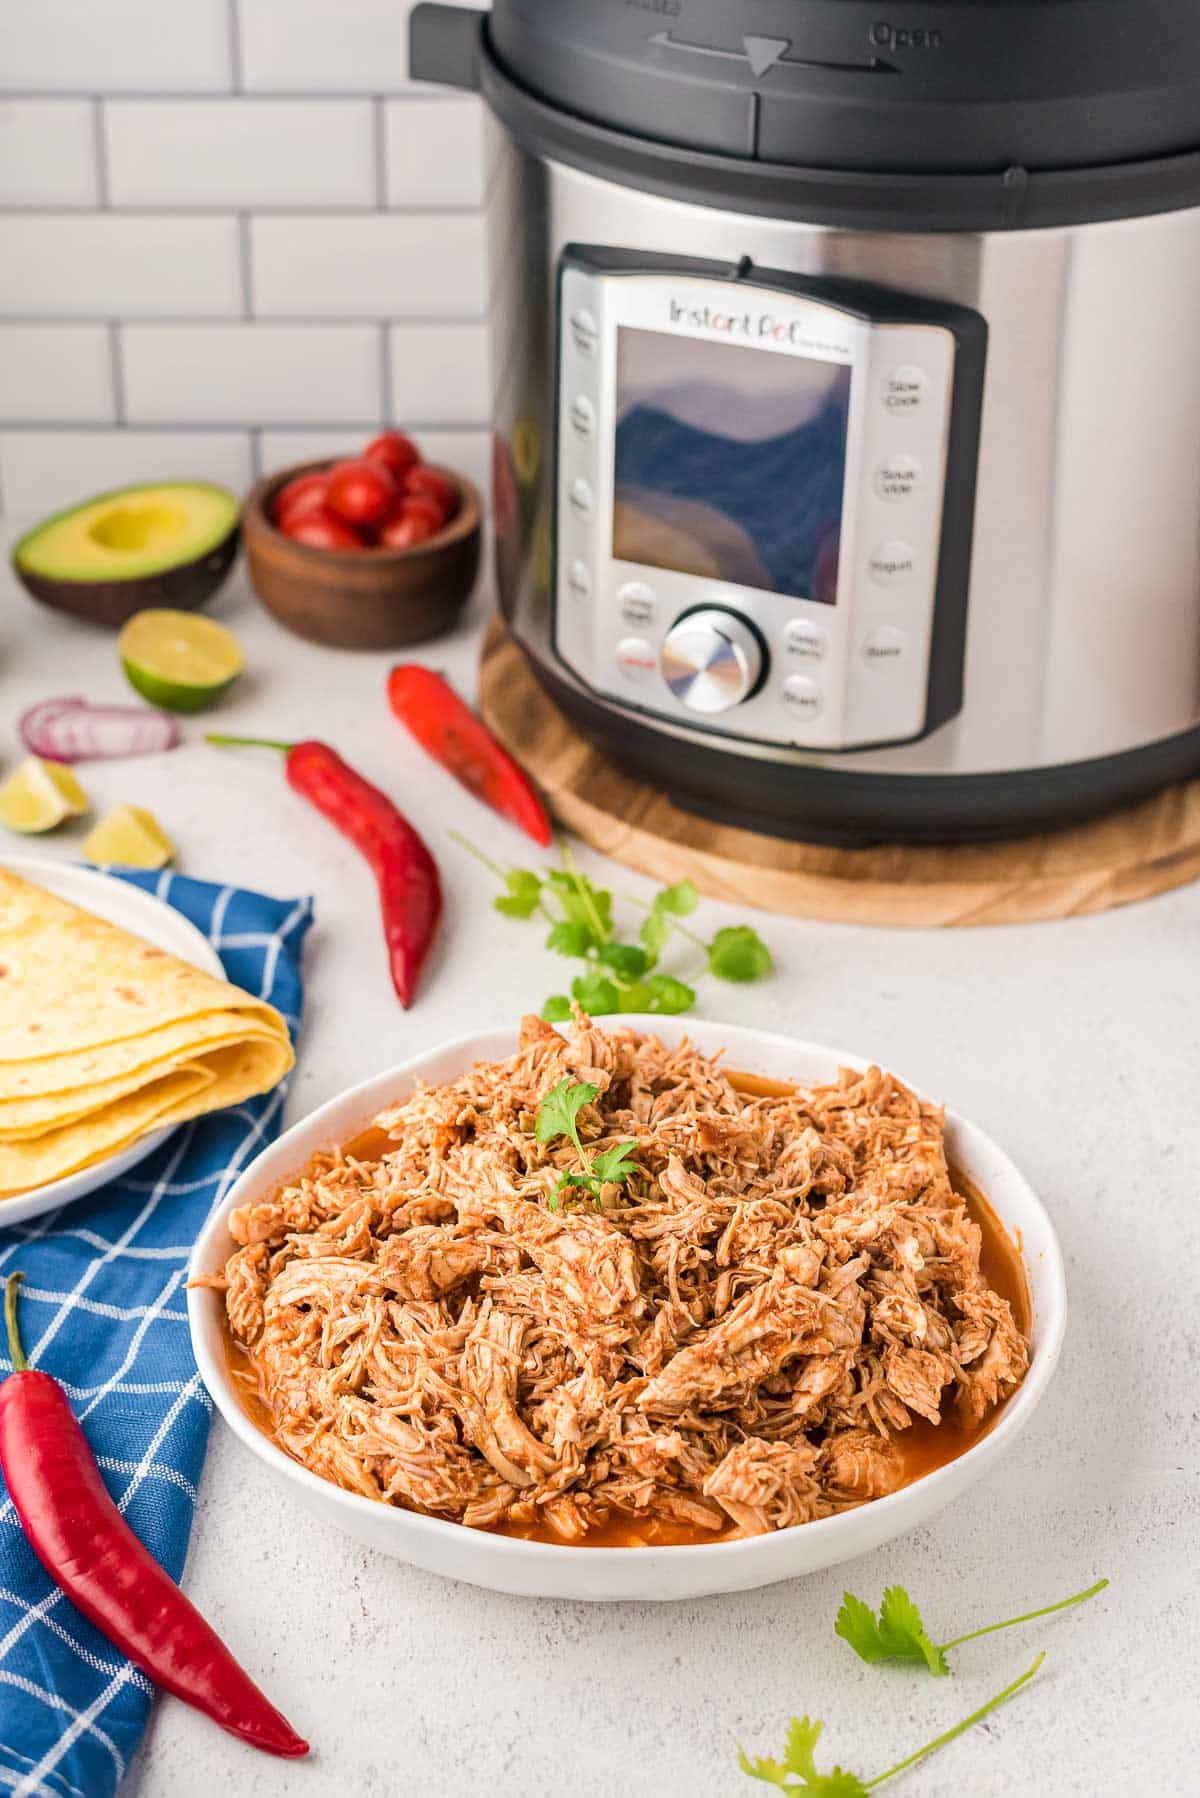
1131, 854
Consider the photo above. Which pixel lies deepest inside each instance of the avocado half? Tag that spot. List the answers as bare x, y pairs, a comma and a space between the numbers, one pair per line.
169, 544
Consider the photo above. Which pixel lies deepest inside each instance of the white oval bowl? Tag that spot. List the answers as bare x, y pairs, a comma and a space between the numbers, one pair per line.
547, 1570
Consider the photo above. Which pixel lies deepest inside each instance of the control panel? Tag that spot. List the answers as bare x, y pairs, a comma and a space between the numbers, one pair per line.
764, 495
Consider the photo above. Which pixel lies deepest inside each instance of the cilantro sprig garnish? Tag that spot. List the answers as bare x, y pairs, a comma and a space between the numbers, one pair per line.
899, 1634
620, 976
797, 1771
558, 1115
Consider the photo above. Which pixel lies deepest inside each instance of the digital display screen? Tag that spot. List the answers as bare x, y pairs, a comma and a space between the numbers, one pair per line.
730, 462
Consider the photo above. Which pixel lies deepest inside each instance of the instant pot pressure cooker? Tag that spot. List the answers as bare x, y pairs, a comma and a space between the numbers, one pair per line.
848, 396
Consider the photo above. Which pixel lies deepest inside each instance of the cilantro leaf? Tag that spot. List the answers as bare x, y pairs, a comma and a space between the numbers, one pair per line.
559, 1110
797, 1771
903, 1635
582, 902
626, 960
899, 1633
856, 1624
557, 1009
522, 894
668, 995
679, 900
596, 993
655, 934
615, 1164
567, 937
636, 997
738, 953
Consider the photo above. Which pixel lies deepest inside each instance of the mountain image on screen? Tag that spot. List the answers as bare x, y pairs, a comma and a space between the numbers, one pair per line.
734, 481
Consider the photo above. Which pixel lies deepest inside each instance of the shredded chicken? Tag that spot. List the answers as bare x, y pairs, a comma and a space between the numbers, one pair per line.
733, 1341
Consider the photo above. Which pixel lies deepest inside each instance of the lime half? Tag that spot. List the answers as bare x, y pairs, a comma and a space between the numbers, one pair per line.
40, 795
131, 837
178, 660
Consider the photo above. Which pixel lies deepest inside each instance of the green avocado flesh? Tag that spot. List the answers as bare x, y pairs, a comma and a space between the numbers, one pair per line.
126, 535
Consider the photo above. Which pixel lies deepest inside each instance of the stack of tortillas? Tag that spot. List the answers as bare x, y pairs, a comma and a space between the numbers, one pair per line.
104, 1037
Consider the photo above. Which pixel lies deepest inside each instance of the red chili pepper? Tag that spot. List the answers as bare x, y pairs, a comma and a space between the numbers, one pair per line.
83, 1542
410, 893
450, 732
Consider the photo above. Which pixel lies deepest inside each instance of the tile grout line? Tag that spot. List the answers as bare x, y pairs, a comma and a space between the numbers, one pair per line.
100, 146
116, 361
379, 124
387, 398
234, 26
245, 257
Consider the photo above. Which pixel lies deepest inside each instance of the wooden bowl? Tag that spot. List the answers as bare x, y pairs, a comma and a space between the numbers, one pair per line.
362, 599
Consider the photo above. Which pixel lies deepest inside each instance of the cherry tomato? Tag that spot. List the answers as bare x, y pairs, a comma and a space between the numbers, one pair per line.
305, 494
394, 451
321, 530
361, 492
417, 520
430, 483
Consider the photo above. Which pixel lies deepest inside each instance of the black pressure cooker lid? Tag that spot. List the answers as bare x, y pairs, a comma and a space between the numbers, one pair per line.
968, 115
958, 87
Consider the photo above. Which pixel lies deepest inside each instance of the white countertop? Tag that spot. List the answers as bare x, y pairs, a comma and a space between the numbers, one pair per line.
1076, 1044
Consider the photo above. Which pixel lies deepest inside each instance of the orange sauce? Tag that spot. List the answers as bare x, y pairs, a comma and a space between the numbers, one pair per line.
923, 1446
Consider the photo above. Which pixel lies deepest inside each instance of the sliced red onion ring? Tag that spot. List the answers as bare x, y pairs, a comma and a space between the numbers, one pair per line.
73, 730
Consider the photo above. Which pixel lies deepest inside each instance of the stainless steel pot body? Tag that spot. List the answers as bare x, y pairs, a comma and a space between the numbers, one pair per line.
1083, 635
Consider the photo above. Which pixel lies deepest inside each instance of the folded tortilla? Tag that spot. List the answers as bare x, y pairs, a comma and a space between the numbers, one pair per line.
104, 1037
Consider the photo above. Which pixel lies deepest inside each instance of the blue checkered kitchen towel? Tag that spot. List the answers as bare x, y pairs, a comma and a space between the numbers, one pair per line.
103, 1310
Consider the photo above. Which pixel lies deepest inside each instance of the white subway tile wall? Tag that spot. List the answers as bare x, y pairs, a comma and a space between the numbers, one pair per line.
236, 234
48, 153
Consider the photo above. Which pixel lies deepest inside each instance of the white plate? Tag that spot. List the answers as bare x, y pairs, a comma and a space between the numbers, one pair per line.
542, 1569
142, 915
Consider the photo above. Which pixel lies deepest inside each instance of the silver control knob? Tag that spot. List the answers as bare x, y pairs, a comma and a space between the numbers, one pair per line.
711, 660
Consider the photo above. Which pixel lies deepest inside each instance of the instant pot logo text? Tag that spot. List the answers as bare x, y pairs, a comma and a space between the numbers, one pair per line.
752, 327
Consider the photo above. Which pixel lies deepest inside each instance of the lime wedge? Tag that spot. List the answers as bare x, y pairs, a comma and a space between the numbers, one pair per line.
131, 837
177, 660
39, 795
